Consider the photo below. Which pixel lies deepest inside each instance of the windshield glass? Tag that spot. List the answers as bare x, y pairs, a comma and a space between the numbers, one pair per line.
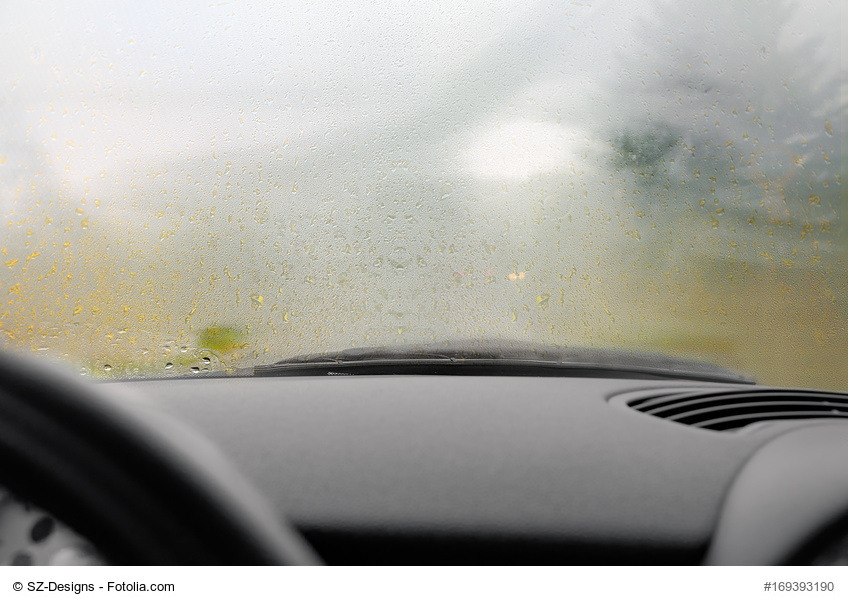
209, 185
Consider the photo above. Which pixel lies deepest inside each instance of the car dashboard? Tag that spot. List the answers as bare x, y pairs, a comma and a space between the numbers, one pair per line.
522, 470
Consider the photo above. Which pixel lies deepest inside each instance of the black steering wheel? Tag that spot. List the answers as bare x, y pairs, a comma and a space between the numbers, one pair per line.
142, 488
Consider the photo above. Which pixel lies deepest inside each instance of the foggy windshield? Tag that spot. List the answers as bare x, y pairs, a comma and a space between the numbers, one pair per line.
203, 186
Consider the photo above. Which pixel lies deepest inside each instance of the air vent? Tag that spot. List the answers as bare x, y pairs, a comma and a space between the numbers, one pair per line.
731, 410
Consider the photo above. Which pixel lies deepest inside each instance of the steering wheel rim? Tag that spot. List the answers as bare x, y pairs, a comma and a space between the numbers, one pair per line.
142, 488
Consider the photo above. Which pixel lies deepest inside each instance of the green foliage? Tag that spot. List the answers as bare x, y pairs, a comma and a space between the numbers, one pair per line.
222, 339
644, 150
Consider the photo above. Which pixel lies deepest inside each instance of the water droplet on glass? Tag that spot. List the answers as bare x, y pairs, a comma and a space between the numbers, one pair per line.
107, 367
207, 361
169, 366
195, 369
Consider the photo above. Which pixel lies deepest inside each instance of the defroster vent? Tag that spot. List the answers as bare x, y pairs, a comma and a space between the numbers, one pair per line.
733, 409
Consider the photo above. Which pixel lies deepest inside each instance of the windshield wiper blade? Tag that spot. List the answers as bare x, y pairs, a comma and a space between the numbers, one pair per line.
508, 358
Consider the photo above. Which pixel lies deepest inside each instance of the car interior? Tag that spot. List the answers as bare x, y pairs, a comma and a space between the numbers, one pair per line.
485, 282
423, 469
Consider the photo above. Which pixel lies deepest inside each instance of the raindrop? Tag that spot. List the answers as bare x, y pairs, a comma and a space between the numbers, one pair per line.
107, 367
169, 366
195, 369
207, 361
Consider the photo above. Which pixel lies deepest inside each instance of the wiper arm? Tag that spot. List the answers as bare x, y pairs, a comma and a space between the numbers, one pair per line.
499, 358
360, 354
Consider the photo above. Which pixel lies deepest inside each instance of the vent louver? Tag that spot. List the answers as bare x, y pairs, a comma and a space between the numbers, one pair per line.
731, 410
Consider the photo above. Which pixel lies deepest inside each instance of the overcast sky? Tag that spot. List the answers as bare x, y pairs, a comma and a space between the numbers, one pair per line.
515, 90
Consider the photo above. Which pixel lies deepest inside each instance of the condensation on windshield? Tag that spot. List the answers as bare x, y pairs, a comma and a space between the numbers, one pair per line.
194, 187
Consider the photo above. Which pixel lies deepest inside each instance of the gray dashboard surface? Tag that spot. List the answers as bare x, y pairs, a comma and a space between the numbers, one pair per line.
535, 457
792, 490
